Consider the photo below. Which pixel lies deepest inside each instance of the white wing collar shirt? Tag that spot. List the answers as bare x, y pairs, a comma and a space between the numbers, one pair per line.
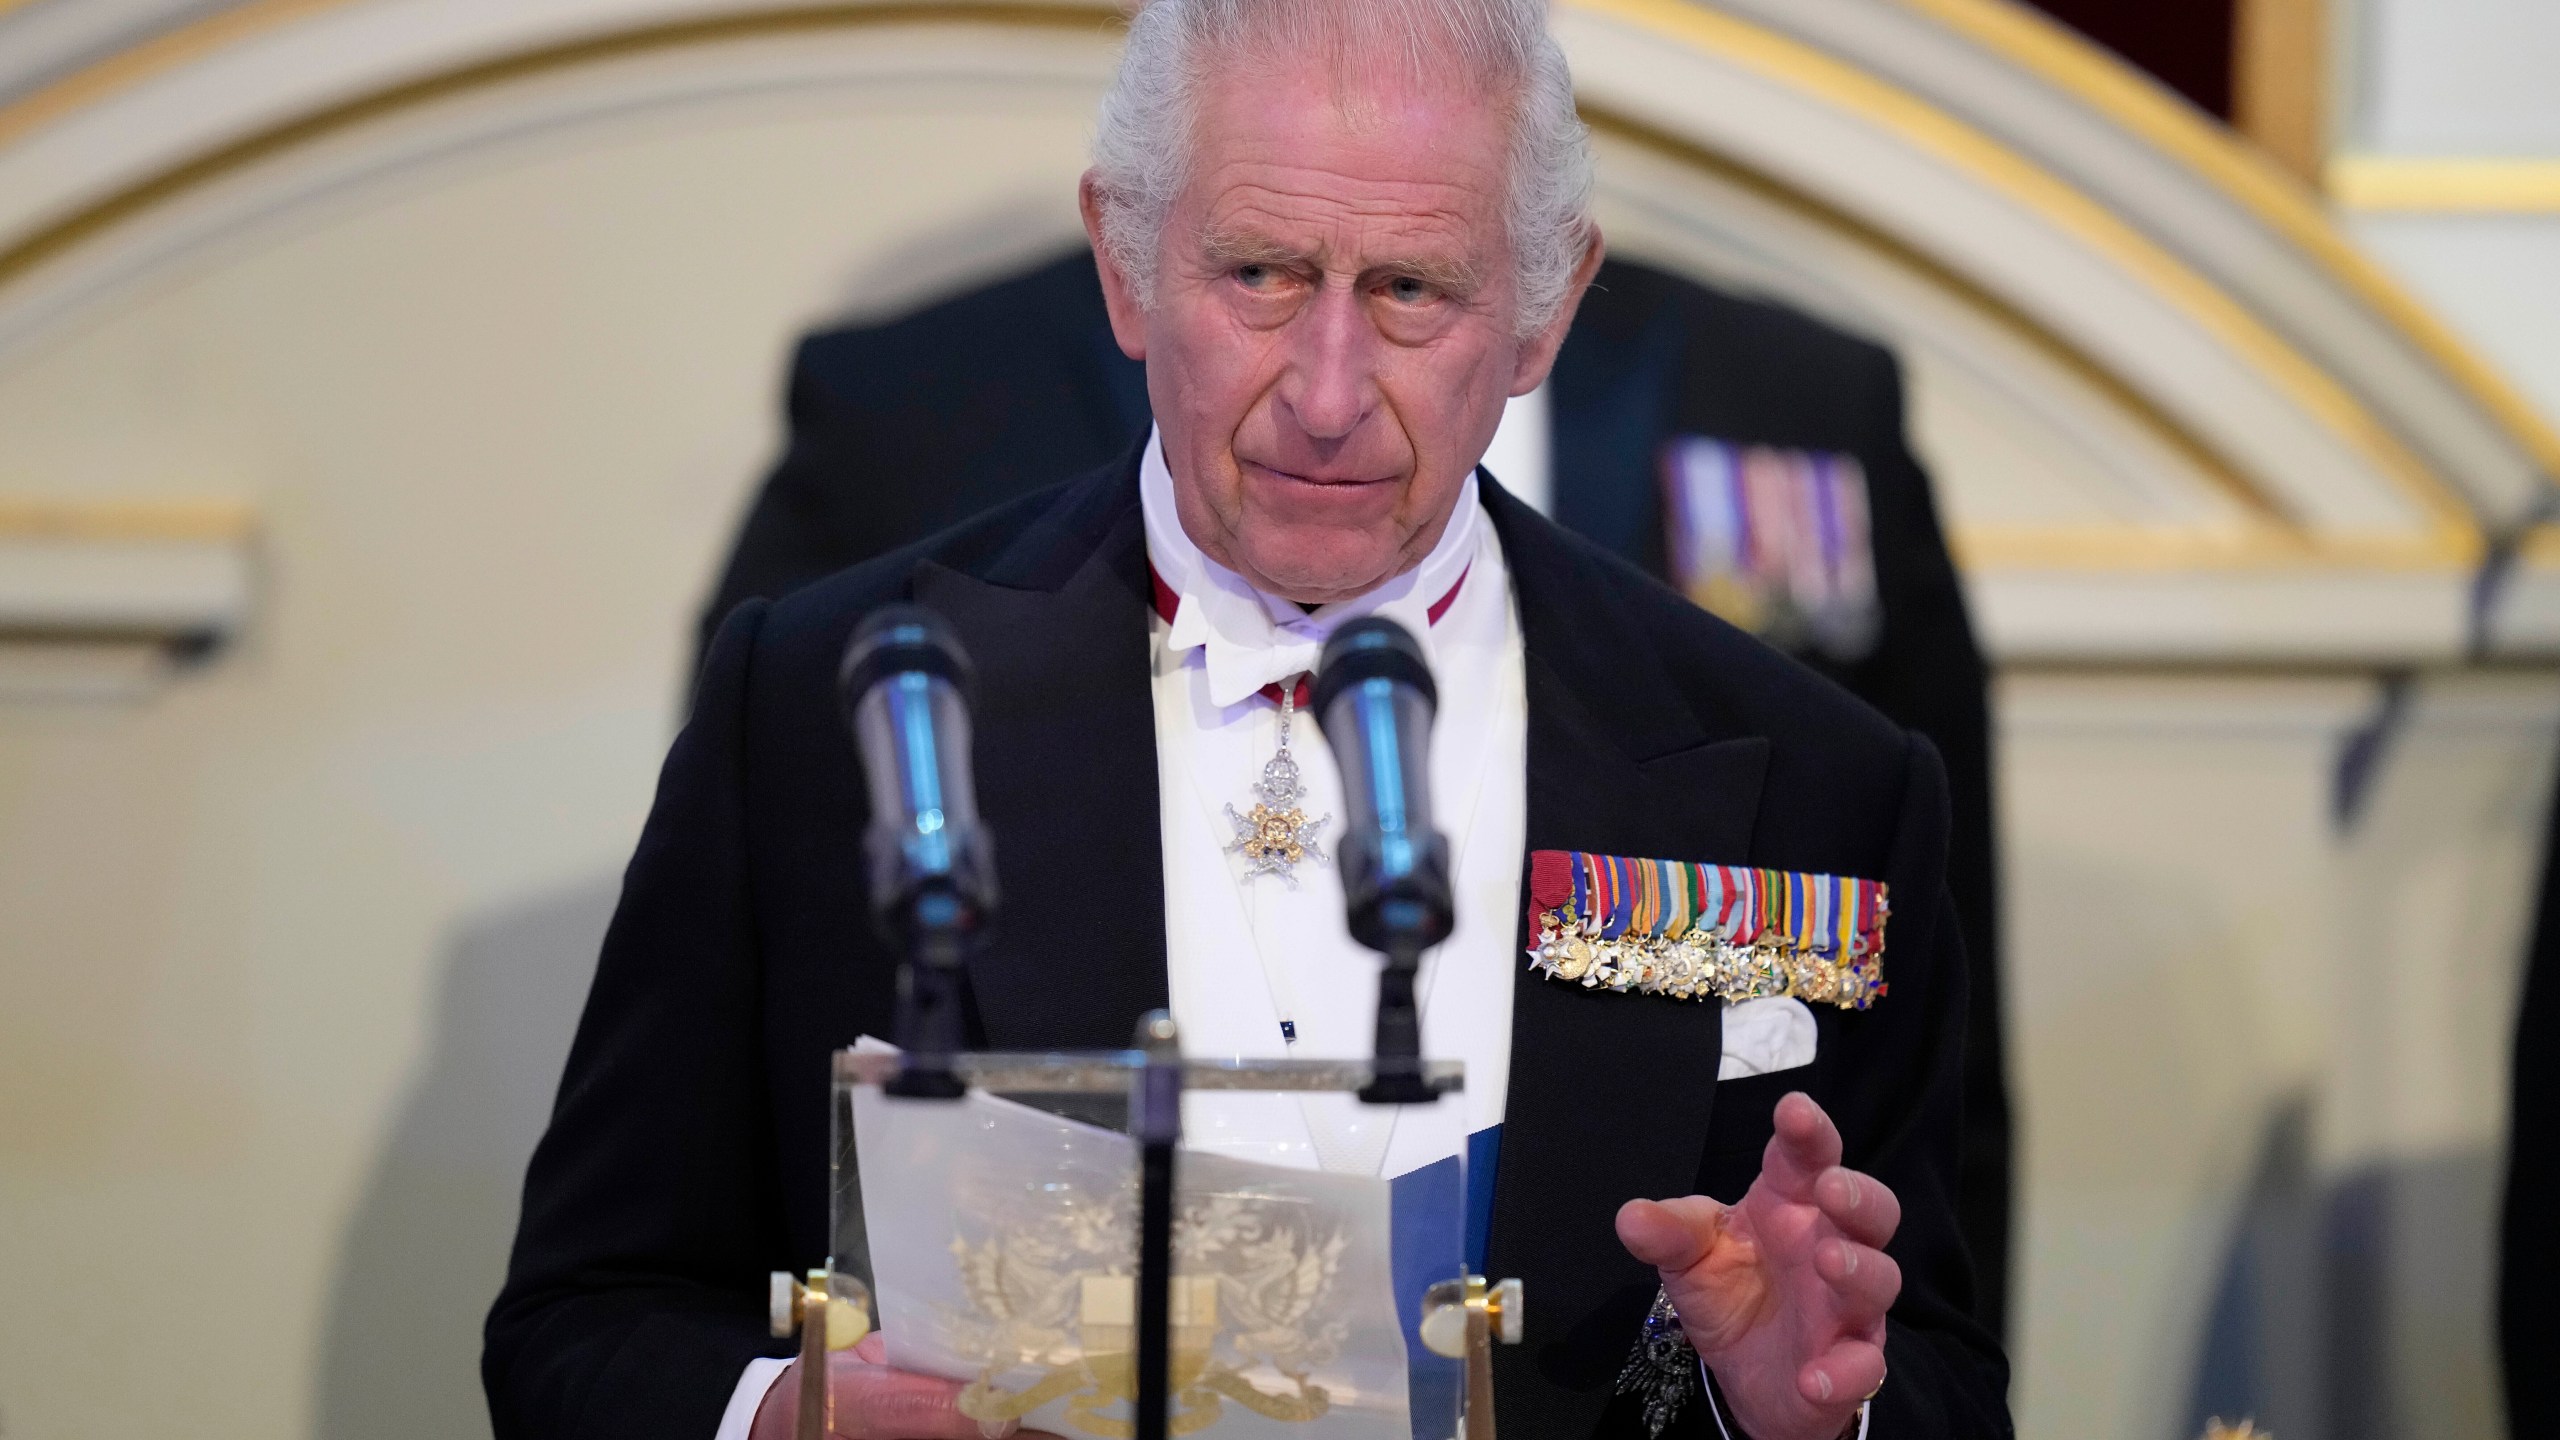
1261, 965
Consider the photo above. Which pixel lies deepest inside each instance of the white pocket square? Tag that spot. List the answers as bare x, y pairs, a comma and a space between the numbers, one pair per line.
1762, 1037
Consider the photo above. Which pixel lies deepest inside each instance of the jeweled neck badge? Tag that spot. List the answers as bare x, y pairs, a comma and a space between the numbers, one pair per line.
1276, 834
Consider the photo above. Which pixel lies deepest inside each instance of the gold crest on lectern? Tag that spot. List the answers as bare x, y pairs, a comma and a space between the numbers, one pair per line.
1250, 1298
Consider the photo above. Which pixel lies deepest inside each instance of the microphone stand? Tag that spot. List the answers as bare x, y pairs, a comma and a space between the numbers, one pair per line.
1155, 1118
928, 1030
1397, 1078
903, 684
1374, 699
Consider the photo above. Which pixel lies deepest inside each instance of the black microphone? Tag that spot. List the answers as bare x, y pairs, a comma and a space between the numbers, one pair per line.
1375, 700
905, 686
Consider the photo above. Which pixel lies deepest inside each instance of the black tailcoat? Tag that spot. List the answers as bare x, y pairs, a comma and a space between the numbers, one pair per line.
901, 428
687, 1156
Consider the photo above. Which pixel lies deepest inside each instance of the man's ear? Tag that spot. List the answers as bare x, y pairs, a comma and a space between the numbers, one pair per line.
1538, 352
1128, 317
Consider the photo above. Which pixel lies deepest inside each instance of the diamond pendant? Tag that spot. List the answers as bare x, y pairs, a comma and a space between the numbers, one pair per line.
1276, 834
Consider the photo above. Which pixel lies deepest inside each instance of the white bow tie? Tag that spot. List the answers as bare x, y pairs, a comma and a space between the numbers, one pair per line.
1244, 648
1249, 640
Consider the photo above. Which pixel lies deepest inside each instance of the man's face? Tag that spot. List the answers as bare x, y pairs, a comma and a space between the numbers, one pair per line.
1331, 339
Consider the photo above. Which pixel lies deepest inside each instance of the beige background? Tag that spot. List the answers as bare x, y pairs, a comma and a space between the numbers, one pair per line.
290, 942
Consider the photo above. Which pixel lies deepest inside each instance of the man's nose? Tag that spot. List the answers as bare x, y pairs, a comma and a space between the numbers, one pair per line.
1332, 385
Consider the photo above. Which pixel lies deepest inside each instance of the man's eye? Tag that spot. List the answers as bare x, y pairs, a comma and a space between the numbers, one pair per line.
1405, 290
1256, 277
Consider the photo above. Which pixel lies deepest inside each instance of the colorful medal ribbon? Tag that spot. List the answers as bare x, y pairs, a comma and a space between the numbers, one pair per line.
1706, 932
1776, 541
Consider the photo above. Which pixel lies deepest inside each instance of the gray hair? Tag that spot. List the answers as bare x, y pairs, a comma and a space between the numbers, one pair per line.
1141, 149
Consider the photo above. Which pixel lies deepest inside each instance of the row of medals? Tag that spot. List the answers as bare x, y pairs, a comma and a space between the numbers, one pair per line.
1700, 965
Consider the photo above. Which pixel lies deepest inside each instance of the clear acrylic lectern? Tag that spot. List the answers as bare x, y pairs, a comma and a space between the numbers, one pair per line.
1031, 1225
1000, 1237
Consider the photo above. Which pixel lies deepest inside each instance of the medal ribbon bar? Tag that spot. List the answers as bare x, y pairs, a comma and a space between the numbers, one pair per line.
1706, 932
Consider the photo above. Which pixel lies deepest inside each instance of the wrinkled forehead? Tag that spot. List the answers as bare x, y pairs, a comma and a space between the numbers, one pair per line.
1299, 157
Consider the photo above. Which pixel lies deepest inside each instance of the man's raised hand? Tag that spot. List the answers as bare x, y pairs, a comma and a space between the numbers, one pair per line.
1784, 1294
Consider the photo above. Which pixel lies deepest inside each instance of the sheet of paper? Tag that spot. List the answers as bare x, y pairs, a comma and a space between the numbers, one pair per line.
1002, 1246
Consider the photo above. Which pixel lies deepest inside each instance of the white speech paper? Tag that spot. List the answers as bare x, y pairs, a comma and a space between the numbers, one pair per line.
1003, 1242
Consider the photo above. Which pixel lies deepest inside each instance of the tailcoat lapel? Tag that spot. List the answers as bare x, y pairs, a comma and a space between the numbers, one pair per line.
1609, 1094
1065, 751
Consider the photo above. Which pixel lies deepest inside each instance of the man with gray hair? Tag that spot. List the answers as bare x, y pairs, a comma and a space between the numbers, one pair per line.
1339, 234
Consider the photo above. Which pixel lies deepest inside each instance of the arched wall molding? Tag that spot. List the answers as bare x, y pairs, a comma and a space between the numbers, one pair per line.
452, 692
2184, 178
2264, 519
1780, 107
188, 107
2206, 193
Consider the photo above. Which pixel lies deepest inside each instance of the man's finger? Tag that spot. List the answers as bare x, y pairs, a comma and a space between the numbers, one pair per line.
1802, 1144
1867, 1281
1670, 1235
1842, 1376
874, 1402
1865, 1208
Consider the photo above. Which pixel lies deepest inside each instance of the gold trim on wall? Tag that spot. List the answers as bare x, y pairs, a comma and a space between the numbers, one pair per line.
2263, 539
2539, 547
2255, 183
170, 49
2447, 184
152, 55
1996, 547
2449, 539
27, 517
2453, 535
2215, 467
49, 240
2280, 68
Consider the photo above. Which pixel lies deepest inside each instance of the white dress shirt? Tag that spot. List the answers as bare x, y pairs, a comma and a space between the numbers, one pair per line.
1247, 953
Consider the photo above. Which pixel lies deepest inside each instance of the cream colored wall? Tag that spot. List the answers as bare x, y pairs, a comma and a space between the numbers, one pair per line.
2460, 78
292, 947
2230, 1011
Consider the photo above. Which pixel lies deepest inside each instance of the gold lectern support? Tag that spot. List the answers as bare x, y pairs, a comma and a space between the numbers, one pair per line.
825, 1321
1466, 1322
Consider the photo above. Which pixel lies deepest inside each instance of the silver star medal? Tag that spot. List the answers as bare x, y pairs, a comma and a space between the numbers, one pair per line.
1276, 834
1663, 1369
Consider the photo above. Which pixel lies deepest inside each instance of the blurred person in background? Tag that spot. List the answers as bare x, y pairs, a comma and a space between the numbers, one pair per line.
2529, 1247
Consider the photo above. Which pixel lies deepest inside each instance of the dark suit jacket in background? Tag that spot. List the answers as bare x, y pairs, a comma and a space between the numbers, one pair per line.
687, 1157
2529, 1239
903, 428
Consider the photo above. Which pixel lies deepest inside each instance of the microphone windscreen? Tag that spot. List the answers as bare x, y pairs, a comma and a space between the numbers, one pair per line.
1372, 647
895, 639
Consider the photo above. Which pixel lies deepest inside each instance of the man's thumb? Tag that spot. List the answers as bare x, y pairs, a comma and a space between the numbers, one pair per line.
1670, 1235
